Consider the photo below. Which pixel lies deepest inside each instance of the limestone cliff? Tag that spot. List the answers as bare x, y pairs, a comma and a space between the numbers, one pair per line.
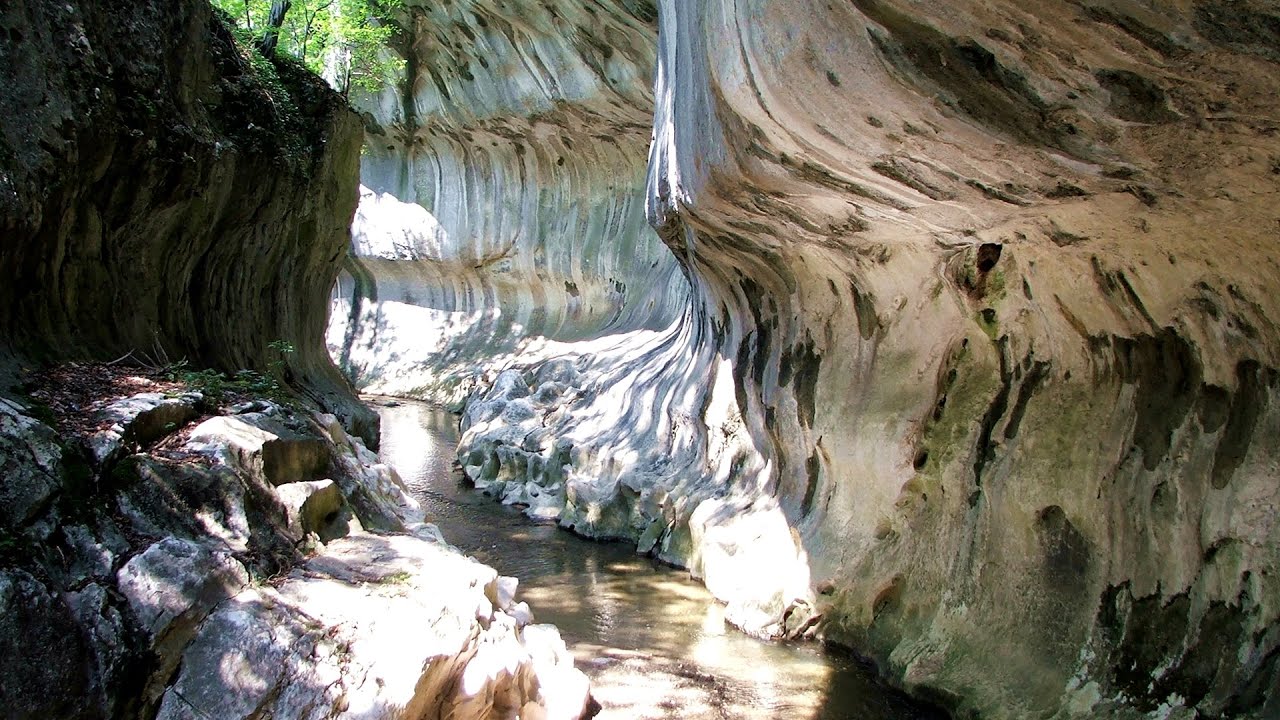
165, 194
979, 351
503, 206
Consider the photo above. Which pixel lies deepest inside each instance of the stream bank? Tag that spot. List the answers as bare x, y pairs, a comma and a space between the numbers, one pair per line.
653, 641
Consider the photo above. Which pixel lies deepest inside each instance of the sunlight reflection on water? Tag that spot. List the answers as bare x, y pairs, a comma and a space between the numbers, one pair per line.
653, 641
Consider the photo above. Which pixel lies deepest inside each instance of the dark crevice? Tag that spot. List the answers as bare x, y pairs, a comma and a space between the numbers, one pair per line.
1247, 406
1035, 376
985, 450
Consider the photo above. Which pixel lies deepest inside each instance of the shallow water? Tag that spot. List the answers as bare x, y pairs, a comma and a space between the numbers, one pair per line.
653, 641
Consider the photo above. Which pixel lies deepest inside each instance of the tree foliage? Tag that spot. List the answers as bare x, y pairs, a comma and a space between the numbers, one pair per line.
345, 41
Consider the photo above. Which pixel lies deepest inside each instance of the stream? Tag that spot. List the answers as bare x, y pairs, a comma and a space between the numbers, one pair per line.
653, 641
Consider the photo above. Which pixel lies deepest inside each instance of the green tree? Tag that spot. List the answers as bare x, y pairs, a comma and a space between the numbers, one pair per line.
348, 42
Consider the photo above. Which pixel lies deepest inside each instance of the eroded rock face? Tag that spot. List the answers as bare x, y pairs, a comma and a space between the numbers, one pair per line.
166, 196
980, 358
504, 203
161, 194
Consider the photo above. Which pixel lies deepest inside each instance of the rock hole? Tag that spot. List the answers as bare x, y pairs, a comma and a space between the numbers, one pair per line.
887, 597
922, 459
988, 256
1066, 550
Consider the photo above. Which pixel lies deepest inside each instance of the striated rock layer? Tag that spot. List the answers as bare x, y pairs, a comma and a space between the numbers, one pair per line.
166, 194
979, 358
504, 199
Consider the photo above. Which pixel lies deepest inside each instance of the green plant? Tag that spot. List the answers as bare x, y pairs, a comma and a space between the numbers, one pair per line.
401, 577
345, 41
282, 349
214, 384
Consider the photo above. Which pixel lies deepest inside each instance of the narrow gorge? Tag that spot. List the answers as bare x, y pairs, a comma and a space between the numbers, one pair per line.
941, 333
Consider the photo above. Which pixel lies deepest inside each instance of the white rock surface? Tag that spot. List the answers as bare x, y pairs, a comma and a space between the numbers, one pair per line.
376, 627
504, 204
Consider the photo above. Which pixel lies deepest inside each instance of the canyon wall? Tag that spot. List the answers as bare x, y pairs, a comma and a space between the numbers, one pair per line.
978, 366
503, 207
169, 204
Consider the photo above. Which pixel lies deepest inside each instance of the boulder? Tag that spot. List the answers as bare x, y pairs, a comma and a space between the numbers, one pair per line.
254, 444
170, 588
315, 507
138, 420
375, 627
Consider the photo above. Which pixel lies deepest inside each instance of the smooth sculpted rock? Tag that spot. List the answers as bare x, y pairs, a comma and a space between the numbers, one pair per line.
503, 204
119, 254
979, 355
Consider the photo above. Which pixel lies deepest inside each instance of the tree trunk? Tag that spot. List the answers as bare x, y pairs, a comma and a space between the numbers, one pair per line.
274, 20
